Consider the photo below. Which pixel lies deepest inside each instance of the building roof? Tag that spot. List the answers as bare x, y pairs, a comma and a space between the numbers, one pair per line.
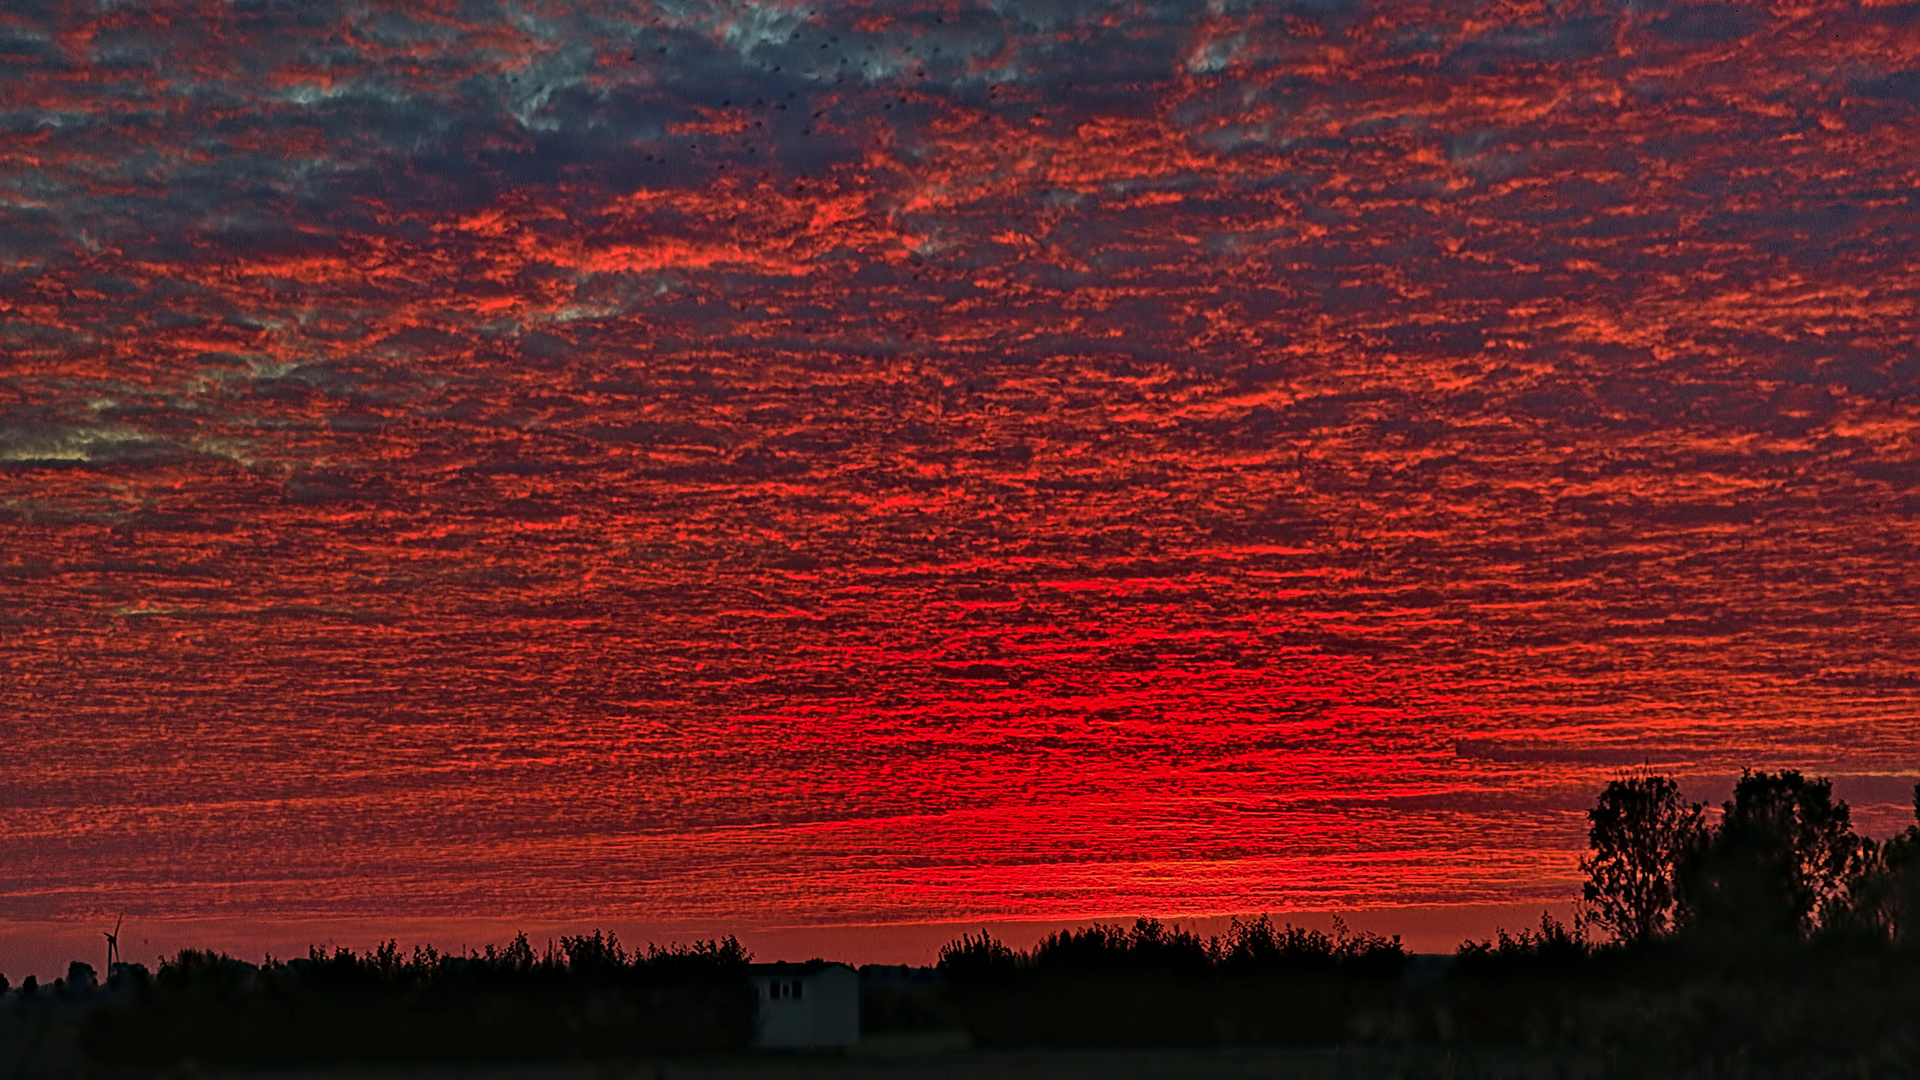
811, 967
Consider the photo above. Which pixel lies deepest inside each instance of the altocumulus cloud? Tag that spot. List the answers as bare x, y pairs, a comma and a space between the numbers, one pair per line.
717, 412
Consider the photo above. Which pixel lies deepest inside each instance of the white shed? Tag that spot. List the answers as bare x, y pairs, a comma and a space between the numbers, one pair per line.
810, 1006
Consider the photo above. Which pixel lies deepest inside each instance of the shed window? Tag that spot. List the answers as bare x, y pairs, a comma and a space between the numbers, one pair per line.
783, 988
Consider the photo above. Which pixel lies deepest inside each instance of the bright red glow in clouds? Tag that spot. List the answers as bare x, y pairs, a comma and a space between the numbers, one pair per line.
760, 465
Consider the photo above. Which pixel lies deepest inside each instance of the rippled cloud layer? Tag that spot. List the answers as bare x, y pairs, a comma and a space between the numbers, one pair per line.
880, 462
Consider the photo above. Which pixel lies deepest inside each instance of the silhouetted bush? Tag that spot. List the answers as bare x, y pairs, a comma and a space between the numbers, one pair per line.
979, 959
1555, 948
1258, 947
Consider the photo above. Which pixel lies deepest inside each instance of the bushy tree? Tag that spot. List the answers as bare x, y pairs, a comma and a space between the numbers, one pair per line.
1150, 944
982, 957
1638, 832
1779, 860
593, 952
518, 955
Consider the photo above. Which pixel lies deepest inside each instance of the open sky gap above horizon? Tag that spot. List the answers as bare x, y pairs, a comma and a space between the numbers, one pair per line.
772, 464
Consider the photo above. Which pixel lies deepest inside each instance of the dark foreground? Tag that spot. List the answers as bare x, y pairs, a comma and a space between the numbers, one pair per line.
943, 1057
1107, 1002
55, 1052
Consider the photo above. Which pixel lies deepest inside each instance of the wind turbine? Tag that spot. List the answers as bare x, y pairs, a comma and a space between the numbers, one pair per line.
113, 945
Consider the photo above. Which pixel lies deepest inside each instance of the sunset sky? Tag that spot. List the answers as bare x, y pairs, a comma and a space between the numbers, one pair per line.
750, 464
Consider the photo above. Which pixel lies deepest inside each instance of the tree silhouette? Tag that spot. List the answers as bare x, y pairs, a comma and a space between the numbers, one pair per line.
978, 958
1883, 893
1779, 860
518, 955
1638, 831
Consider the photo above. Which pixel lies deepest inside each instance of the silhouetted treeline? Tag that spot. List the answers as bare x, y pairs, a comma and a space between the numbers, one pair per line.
1152, 983
1781, 863
1249, 947
587, 995
1767, 940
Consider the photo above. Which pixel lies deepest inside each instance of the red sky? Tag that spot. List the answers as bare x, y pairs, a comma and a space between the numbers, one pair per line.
749, 464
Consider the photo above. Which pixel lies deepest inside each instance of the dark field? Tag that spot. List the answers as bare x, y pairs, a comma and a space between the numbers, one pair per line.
1163, 1063
945, 1056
